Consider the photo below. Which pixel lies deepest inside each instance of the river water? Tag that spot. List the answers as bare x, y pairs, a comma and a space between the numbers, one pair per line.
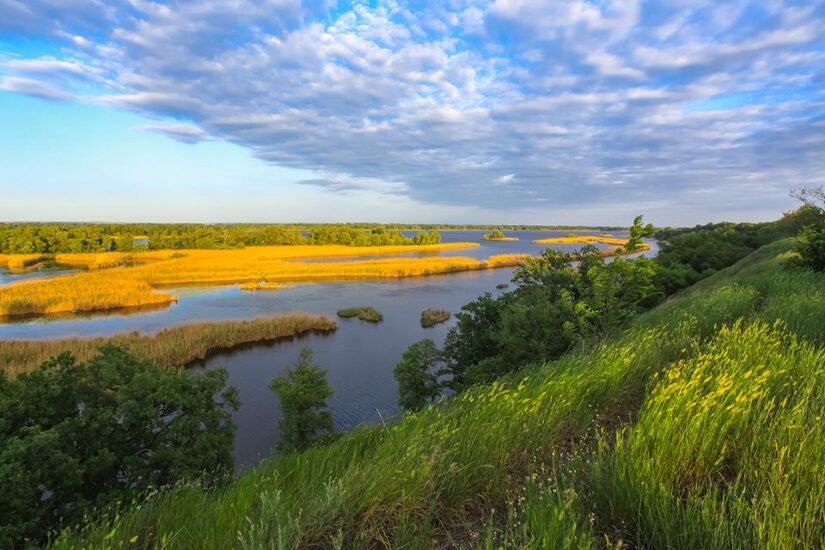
359, 356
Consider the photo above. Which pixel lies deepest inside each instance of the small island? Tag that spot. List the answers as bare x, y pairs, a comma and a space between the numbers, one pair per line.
368, 314
498, 236
431, 317
264, 285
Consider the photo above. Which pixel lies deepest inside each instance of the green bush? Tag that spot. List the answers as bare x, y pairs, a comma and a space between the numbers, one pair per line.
303, 393
417, 374
811, 247
79, 436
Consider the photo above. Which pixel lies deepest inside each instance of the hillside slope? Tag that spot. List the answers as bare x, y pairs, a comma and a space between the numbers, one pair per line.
698, 427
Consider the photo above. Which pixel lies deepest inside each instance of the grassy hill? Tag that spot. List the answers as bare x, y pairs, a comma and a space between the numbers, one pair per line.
700, 426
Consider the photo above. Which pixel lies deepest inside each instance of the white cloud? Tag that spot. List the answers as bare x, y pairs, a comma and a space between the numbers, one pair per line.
448, 103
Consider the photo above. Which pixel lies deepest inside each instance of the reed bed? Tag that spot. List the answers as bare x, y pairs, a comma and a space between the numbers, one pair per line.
264, 285
431, 317
138, 285
617, 242
172, 347
369, 314
18, 262
583, 239
91, 291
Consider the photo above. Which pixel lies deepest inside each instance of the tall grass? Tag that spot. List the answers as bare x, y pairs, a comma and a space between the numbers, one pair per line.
172, 347
583, 239
91, 291
138, 285
698, 427
17, 262
728, 452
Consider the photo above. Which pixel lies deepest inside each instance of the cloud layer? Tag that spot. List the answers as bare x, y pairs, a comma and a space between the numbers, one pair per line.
516, 104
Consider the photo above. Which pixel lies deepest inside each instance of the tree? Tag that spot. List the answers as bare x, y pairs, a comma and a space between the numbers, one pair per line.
620, 290
473, 338
303, 392
77, 436
638, 231
811, 196
417, 374
811, 246
559, 300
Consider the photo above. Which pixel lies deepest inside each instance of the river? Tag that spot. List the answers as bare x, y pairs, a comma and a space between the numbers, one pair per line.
359, 356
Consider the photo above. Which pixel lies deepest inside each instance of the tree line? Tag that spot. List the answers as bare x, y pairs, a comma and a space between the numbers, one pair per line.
52, 238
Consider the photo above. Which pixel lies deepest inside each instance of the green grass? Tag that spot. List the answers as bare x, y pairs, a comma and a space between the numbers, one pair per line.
698, 427
369, 314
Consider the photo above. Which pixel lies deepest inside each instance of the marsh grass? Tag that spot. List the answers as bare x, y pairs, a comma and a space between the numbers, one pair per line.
19, 262
172, 347
369, 314
141, 282
264, 285
617, 248
700, 426
431, 317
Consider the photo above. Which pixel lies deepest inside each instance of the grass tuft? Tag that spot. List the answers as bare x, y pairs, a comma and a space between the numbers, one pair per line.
369, 314
431, 317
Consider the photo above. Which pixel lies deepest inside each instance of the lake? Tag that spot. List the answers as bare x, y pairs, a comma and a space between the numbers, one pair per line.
359, 356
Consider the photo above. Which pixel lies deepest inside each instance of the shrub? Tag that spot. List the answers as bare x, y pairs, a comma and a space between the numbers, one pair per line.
417, 374
811, 247
303, 392
78, 435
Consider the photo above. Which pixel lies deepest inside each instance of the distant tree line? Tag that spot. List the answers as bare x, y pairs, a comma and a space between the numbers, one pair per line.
52, 238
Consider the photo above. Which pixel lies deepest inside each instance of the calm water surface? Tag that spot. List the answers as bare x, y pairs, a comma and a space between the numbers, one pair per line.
359, 356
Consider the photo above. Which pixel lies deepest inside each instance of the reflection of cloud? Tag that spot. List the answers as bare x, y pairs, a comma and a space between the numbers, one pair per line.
586, 102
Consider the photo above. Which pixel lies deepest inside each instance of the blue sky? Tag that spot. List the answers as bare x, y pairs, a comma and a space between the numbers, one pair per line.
520, 111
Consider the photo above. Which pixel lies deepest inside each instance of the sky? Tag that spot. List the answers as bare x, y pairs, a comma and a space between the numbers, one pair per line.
456, 111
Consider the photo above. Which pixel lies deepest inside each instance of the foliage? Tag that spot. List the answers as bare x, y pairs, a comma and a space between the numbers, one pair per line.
554, 307
811, 247
497, 235
82, 435
303, 393
431, 317
638, 231
494, 235
350, 236
474, 337
51, 238
688, 255
417, 374
369, 314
